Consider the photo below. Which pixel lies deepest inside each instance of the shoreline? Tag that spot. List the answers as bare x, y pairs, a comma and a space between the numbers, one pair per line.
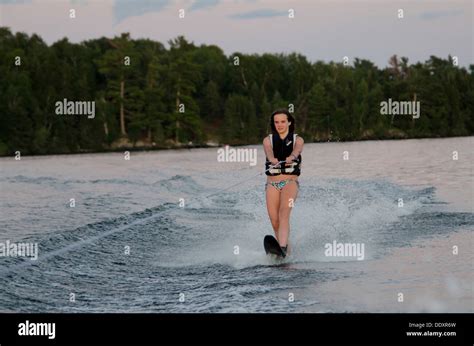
208, 145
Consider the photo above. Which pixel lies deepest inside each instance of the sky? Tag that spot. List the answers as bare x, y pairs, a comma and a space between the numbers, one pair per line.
326, 30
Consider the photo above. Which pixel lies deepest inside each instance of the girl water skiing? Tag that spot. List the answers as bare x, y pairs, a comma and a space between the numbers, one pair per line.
282, 181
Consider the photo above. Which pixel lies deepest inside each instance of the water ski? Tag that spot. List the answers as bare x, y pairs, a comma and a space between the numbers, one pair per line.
272, 247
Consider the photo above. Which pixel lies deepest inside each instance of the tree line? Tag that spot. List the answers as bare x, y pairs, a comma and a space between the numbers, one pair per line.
149, 95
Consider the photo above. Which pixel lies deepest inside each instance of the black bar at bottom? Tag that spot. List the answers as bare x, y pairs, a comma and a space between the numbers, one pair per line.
289, 329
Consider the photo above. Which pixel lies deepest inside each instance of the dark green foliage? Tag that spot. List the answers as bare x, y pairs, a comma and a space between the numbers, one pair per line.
188, 93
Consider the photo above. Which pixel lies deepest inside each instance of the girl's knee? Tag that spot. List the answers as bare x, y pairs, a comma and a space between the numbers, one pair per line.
284, 213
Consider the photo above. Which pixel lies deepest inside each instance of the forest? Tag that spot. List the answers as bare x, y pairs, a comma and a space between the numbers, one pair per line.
151, 95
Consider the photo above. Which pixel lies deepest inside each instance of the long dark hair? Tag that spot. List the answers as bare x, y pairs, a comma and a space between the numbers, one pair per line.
289, 117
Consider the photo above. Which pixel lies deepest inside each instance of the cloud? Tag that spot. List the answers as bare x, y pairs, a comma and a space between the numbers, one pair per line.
430, 15
202, 4
14, 2
263, 13
126, 8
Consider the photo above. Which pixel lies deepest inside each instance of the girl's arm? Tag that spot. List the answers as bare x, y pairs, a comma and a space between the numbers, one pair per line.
298, 149
267, 148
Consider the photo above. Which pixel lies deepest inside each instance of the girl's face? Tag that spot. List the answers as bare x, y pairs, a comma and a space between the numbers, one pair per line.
281, 123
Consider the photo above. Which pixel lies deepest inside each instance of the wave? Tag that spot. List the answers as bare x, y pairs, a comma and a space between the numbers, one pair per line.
144, 260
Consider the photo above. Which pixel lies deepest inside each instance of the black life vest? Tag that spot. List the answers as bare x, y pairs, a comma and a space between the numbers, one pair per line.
282, 148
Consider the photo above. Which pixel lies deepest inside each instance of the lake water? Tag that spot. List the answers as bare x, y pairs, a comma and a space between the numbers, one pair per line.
128, 246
